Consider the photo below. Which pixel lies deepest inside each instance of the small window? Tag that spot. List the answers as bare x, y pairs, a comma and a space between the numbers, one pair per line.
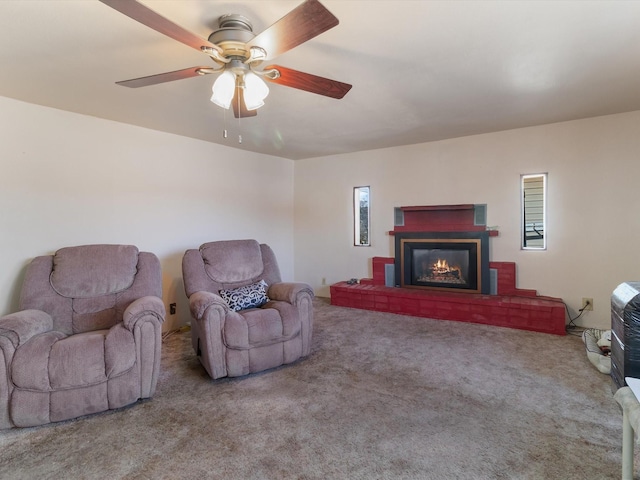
534, 209
361, 217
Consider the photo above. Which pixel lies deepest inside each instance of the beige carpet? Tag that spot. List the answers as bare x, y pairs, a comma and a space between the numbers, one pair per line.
381, 397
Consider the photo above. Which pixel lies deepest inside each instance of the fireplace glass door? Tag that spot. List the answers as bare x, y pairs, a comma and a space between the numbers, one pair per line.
457, 263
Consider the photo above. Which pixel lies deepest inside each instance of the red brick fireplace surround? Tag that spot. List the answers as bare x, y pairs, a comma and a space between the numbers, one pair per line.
509, 307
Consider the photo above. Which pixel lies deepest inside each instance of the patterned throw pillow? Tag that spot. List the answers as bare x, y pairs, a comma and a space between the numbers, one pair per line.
250, 296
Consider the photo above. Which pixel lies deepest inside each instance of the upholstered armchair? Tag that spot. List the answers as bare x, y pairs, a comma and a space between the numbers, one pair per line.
87, 337
245, 319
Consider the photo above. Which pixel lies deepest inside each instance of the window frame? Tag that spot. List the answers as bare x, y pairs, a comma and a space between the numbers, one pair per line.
540, 211
358, 219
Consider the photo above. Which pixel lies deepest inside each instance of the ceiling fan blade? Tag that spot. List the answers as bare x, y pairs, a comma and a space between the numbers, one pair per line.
239, 107
304, 22
308, 82
164, 77
157, 22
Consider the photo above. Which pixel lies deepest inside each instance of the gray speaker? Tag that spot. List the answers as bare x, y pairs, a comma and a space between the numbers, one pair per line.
398, 217
493, 281
389, 275
480, 214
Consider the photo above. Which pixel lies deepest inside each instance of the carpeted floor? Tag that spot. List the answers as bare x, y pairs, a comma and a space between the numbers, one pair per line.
381, 397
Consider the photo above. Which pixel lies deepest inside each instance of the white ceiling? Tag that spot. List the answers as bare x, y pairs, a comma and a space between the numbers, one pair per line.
420, 70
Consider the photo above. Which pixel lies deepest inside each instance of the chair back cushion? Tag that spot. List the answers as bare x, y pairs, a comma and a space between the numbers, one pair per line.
232, 261
228, 264
75, 268
88, 287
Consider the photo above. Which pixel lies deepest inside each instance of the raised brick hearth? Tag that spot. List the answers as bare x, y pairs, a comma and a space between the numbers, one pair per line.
509, 307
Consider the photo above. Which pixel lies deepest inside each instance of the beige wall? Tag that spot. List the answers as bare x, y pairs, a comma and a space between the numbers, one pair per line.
68, 179
593, 204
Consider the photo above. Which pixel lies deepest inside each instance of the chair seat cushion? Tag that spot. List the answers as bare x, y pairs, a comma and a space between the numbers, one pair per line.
275, 322
53, 361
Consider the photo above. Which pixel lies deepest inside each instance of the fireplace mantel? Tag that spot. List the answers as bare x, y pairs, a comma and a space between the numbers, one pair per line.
417, 225
443, 218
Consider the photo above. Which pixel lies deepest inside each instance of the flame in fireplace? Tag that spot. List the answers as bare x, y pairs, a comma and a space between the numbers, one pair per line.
442, 272
441, 266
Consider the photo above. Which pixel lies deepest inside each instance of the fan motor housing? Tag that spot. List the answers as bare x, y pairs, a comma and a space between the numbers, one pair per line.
232, 36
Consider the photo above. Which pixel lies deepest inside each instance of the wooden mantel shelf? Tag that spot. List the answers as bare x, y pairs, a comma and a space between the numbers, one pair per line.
466, 206
442, 218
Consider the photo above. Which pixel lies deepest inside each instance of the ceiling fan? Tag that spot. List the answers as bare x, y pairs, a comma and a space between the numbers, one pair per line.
238, 52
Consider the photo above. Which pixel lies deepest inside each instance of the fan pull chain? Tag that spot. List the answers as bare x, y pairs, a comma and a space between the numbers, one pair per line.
224, 122
239, 117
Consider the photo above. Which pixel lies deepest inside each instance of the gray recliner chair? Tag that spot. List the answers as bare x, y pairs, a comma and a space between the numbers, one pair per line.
87, 337
245, 319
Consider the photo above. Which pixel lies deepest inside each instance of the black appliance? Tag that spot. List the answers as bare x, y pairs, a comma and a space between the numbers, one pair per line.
625, 338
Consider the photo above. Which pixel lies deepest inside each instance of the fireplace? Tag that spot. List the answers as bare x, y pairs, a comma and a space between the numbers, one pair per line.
446, 261
442, 261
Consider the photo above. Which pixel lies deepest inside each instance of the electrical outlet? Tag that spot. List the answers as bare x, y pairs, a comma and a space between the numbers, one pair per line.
172, 309
587, 304
324, 281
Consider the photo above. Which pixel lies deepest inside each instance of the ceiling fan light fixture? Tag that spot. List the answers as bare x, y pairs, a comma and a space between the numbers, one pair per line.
256, 54
223, 89
255, 91
237, 51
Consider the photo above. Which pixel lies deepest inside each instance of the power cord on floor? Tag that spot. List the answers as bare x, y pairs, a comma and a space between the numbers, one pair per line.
184, 328
572, 328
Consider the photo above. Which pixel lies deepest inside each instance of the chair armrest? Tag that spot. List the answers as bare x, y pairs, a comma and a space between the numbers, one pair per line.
289, 291
209, 312
200, 301
20, 326
141, 308
15, 330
